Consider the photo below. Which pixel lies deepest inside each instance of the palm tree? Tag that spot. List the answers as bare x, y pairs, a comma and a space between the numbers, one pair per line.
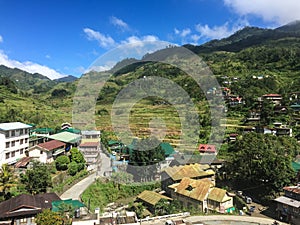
7, 180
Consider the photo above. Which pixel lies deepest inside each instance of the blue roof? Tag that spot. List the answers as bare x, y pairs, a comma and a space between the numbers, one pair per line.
13, 126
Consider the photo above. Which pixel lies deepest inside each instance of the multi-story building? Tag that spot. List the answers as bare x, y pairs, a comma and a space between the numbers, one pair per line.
288, 206
90, 147
14, 141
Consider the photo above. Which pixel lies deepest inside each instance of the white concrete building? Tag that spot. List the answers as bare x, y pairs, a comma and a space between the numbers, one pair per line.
14, 141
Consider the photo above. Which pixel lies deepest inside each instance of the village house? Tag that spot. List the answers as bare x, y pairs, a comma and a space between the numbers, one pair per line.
207, 149
150, 199
288, 206
90, 151
175, 174
48, 151
14, 141
201, 194
69, 138
274, 98
23, 208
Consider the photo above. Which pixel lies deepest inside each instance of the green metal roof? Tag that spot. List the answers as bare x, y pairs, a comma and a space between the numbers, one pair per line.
296, 166
66, 137
168, 149
62, 205
71, 130
113, 142
43, 130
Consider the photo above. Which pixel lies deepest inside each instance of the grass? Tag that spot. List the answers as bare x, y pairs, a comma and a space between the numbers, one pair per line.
101, 192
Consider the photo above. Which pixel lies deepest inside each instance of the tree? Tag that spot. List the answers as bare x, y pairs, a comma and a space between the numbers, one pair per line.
37, 179
7, 181
162, 207
146, 155
263, 161
76, 156
72, 168
48, 217
62, 162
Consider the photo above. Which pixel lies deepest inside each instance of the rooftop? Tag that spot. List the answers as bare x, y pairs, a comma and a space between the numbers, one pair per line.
51, 145
294, 189
196, 189
25, 204
218, 195
192, 171
288, 201
90, 132
89, 144
151, 197
13, 126
66, 137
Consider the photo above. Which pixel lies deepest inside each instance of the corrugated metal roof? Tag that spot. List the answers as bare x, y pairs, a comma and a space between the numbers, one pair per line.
51, 145
66, 137
90, 132
196, 189
218, 195
151, 197
193, 170
13, 126
288, 201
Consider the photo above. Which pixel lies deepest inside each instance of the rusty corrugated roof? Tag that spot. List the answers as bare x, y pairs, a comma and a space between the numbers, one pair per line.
151, 197
196, 189
218, 195
192, 171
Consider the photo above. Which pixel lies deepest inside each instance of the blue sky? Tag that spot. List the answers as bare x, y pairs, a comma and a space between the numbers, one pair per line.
57, 38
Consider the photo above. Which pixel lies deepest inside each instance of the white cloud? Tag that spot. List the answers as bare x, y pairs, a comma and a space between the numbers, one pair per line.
30, 67
105, 67
218, 32
1, 39
138, 41
104, 41
182, 33
119, 23
276, 11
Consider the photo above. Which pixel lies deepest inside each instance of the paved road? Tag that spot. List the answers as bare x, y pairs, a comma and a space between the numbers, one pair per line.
75, 191
241, 219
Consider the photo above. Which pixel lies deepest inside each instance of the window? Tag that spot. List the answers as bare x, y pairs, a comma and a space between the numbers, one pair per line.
7, 144
21, 131
41, 152
13, 154
21, 141
12, 143
13, 133
7, 155
26, 131
7, 134
26, 140
21, 151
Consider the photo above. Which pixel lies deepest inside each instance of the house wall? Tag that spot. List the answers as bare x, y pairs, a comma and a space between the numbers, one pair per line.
220, 206
188, 202
42, 156
91, 154
13, 144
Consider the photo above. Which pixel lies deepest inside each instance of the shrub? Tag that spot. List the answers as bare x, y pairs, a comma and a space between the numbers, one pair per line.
62, 162
72, 168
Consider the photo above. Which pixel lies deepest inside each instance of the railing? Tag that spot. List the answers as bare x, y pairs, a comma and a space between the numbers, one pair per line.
185, 214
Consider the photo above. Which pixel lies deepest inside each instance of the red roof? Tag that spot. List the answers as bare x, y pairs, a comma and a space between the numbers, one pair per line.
204, 148
23, 162
89, 144
294, 189
51, 145
272, 95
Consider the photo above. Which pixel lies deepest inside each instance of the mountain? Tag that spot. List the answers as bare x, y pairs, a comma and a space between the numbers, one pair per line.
33, 82
248, 37
69, 78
